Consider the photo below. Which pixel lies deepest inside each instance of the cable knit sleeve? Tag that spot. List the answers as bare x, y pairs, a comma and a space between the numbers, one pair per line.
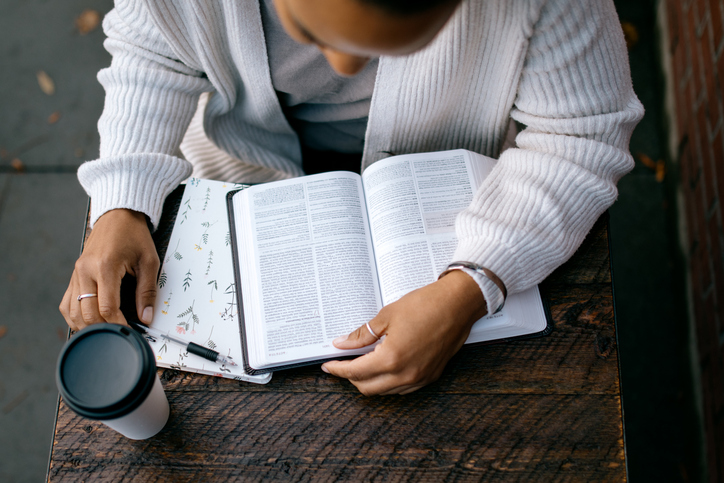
150, 99
576, 99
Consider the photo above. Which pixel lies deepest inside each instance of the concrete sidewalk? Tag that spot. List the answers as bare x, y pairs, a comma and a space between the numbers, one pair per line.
42, 211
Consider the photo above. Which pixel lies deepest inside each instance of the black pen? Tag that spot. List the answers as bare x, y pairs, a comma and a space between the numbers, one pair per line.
191, 347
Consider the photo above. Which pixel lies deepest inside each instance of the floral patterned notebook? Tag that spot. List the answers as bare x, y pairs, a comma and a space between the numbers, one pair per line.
196, 300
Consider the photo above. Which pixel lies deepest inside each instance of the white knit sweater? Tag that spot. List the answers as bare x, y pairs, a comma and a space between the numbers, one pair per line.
559, 67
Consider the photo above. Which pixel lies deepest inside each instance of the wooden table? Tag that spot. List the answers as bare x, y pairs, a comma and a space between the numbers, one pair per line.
546, 409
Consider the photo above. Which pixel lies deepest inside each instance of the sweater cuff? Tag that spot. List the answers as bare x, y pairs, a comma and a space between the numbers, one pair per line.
492, 294
139, 182
495, 257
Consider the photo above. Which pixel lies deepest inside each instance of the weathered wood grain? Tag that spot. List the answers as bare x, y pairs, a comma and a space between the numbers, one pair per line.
545, 409
322, 437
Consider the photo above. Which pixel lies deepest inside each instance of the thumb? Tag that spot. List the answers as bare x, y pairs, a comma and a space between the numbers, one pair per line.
361, 337
146, 293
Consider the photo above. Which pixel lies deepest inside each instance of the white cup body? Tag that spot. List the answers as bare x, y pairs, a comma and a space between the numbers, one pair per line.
147, 419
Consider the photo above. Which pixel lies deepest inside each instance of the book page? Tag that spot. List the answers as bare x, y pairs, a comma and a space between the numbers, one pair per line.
305, 241
196, 300
412, 202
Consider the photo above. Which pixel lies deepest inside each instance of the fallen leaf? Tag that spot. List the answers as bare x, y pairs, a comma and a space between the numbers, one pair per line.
18, 165
3, 152
62, 334
658, 167
3, 331
46, 83
12, 277
660, 170
53, 118
646, 161
630, 34
87, 21
79, 152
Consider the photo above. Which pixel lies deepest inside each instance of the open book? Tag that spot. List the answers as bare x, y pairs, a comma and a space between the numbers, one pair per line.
318, 256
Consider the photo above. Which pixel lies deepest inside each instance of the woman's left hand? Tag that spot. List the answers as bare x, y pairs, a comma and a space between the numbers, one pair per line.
422, 330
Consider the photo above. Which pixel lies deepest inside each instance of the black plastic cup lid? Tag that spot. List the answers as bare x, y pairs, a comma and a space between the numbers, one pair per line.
105, 371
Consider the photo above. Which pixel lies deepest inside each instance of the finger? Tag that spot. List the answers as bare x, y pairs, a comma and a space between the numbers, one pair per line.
146, 291
410, 389
361, 337
74, 308
360, 369
89, 305
385, 384
405, 389
109, 299
65, 306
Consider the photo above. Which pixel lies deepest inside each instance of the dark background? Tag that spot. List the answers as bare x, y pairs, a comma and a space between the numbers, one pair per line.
44, 138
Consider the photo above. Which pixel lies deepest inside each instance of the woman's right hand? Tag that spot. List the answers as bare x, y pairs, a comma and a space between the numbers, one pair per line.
119, 244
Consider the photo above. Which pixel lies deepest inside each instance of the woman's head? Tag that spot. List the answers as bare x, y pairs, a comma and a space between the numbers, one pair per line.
349, 32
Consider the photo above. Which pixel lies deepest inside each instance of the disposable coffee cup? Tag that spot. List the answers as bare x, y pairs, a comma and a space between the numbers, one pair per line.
107, 372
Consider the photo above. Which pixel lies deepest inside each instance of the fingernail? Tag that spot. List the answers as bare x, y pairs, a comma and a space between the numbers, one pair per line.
147, 315
340, 339
325, 369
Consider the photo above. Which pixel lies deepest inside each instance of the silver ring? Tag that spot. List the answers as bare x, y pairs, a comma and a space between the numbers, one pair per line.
86, 296
372, 331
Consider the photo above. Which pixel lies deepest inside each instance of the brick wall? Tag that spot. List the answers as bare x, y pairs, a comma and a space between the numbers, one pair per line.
695, 44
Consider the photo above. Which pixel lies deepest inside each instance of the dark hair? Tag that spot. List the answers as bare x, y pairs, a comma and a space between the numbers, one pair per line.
407, 7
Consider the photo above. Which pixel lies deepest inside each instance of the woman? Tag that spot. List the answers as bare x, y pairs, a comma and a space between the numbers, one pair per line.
409, 76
